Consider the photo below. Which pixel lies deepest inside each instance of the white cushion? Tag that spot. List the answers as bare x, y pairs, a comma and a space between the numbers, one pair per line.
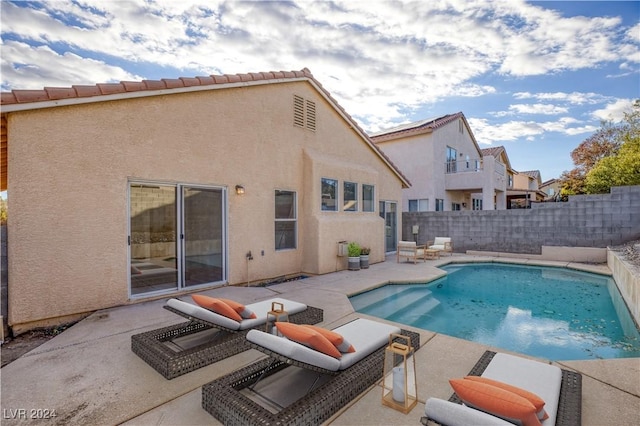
452, 414
259, 308
293, 350
437, 247
542, 379
365, 335
441, 241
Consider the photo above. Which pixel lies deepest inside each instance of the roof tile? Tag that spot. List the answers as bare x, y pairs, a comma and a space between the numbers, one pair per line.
173, 83
220, 79
85, 91
190, 81
60, 92
111, 88
206, 80
154, 84
8, 98
233, 78
23, 96
133, 86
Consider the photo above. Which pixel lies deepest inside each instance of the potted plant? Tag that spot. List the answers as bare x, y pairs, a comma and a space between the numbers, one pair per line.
353, 249
364, 257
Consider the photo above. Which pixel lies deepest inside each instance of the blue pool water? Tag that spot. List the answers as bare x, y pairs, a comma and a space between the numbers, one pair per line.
551, 313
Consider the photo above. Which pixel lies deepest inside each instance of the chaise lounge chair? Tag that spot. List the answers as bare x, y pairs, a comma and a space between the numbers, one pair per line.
231, 399
559, 389
208, 337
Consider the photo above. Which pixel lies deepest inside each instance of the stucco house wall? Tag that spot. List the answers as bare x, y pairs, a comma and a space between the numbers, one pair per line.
70, 169
421, 153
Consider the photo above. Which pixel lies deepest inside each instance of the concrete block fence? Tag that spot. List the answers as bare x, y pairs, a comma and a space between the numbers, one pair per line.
584, 221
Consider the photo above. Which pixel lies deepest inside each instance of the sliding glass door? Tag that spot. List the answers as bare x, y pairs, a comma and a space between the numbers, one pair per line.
177, 237
203, 217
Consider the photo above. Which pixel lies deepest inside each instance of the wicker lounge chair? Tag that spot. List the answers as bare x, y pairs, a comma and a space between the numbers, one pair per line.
560, 389
207, 337
228, 398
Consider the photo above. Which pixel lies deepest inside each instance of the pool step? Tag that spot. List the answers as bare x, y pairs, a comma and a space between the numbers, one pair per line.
389, 303
414, 312
368, 299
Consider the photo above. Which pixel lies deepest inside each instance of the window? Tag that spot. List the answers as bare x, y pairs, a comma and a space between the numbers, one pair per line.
368, 198
329, 194
451, 160
460, 126
477, 204
439, 205
350, 190
421, 205
510, 181
286, 220
455, 206
304, 113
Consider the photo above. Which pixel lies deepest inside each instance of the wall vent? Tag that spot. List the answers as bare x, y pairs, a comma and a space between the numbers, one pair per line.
304, 113
298, 111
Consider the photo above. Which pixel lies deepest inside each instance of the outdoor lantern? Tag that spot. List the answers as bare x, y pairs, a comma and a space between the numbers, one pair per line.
399, 387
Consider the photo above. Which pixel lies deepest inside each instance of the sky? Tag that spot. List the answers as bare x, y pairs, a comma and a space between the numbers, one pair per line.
535, 77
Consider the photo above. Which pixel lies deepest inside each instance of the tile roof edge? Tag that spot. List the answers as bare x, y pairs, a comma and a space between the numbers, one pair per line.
97, 92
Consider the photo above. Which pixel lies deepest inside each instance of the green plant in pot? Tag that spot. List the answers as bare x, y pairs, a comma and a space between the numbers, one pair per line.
364, 257
353, 249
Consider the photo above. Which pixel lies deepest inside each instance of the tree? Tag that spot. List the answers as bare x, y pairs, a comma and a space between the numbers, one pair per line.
597, 160
618, 170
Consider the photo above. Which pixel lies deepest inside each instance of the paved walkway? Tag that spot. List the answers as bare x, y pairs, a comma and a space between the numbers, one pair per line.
88, 374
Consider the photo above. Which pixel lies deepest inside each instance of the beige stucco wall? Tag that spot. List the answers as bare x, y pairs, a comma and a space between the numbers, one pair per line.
71, 167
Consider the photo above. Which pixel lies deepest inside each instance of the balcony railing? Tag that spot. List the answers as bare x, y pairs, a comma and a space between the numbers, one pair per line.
461, 166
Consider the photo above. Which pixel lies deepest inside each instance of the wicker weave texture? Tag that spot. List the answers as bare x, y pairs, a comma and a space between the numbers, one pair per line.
223, 400
151, 347
569, 402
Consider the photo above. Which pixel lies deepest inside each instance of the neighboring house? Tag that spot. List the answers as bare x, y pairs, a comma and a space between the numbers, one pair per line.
525, 190
442, 159
551, 188
137, 190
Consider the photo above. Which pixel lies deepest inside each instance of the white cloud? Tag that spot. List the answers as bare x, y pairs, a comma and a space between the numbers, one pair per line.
575, 98
381, 59
488, 133
26, 67
543, 109
614, 111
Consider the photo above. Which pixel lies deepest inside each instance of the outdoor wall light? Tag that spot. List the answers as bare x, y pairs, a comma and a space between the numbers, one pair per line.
239, 189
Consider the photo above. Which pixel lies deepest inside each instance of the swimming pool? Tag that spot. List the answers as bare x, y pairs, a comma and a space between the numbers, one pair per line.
546, 312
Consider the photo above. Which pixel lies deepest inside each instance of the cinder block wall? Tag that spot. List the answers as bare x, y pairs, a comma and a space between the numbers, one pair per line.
584, 221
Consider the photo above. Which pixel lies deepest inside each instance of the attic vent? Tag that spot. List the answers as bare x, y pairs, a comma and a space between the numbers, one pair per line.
311, 115
298, 111
304, 113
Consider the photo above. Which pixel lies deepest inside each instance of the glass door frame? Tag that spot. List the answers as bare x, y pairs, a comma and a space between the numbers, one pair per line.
179, 226
390, 245
183, 241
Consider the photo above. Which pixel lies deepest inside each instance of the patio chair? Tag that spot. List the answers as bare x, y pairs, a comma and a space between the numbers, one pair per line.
441, 243
560, 391
246, 396
208, 337
410, 250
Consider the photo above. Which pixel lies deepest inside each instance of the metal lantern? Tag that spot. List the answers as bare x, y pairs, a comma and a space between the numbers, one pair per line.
399, 387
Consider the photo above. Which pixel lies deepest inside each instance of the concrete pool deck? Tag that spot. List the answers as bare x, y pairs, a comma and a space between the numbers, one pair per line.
89, 375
